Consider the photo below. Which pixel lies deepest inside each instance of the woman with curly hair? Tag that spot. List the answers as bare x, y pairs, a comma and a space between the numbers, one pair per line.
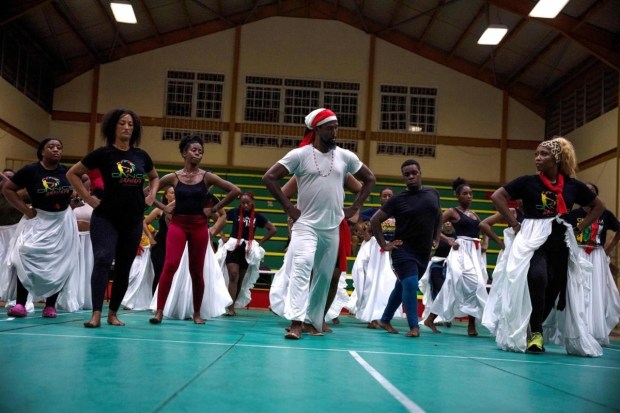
540, 270
116, 222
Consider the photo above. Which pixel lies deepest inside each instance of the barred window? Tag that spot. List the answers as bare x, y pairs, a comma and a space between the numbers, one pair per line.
178, 134
194, 95
418, 151
259, 140
288, 101
412, 109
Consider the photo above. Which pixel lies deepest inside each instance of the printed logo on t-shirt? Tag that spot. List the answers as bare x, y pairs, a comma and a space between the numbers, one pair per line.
548, 204
127, 173
589, 235
52, 187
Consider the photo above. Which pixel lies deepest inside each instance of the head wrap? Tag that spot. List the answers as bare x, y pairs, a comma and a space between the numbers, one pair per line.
554, 147
316, 118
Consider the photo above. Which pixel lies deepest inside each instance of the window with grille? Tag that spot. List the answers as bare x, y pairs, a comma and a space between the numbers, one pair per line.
288, 101
260, 140
26, 69
589, 99
178, 134
194, 95
411, 109
419, 151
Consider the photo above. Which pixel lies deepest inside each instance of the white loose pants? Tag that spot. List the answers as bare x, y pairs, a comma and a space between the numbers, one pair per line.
314, 259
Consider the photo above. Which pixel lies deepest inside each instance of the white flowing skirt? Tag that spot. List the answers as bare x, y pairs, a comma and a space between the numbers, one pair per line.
509, 306
45, 251
257, 253
341, 299
140, 289
602, 300
425, 289
373, 280
180, 302
464, 291
8, 274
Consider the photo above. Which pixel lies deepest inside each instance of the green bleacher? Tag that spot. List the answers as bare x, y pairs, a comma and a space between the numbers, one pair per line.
266, 205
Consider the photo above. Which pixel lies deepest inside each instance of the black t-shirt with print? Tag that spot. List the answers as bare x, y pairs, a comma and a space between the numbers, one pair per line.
49, 190
541, 202
124, 174
233, 215
607, 221
416, 213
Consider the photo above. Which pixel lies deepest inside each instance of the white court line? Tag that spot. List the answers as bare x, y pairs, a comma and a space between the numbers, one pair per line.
281, 347
398, 395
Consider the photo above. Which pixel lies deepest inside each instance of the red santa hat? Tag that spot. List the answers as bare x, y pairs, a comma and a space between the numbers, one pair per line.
316, 118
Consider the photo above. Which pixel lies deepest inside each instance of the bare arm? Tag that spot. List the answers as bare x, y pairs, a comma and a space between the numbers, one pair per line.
486, 228
366, 176
153, 185
9, 190
500, 199
220, 223
271, 231
612, 244
74, 176
596, 209
233, 192
271, 180
449, 214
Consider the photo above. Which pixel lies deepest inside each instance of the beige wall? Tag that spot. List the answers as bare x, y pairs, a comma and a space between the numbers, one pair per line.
23, 114
595, 138
466, 107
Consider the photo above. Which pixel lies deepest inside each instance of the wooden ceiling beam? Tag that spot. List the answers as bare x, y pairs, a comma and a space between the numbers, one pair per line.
14, 9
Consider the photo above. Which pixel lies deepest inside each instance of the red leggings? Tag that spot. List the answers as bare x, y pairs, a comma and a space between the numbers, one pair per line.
194, 230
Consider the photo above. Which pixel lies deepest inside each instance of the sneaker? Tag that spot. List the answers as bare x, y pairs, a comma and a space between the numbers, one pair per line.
535, 344
17, 311
49, 312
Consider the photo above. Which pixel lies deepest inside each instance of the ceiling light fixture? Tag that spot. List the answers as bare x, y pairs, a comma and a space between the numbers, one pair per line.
548, 9
123, 12
493, 34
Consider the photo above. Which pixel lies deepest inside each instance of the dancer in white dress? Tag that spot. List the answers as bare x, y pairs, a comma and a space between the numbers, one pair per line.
539, 278
601, 293
45, 248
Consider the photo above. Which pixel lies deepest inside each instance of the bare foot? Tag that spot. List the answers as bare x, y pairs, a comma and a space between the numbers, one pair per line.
294, 331
335, 321
414, 332
428, 323
373, 325
471, 331
310, 329
230, 312
387, 327
197, 319
113, 319
159, 315
95, 320
326, 328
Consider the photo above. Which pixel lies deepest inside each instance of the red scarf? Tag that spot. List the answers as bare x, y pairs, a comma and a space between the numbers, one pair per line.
344, 246
557, 188
242, 227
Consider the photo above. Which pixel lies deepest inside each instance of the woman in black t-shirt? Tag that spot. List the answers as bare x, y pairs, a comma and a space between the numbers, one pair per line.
244, 222
116, 223
542, 270
45, 247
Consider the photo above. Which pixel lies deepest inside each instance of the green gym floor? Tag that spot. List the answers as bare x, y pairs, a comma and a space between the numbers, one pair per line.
243, 364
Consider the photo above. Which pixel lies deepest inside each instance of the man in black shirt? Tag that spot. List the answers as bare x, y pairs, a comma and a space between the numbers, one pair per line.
417, 213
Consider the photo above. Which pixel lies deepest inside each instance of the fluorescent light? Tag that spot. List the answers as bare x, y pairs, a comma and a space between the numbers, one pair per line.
415, 128
493, 34
548, 9
123, 12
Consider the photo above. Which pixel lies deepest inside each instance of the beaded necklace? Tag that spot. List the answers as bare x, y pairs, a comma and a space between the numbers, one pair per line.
331, 166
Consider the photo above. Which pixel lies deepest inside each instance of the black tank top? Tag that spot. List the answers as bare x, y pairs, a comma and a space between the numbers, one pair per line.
466, 226
189, 198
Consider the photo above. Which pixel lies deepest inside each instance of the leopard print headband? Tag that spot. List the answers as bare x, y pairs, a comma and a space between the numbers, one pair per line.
555, 148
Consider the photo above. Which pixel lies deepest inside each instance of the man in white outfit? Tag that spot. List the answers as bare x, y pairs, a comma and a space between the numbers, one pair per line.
320, 168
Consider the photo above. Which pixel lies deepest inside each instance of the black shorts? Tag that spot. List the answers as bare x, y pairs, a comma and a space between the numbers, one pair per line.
237, 256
